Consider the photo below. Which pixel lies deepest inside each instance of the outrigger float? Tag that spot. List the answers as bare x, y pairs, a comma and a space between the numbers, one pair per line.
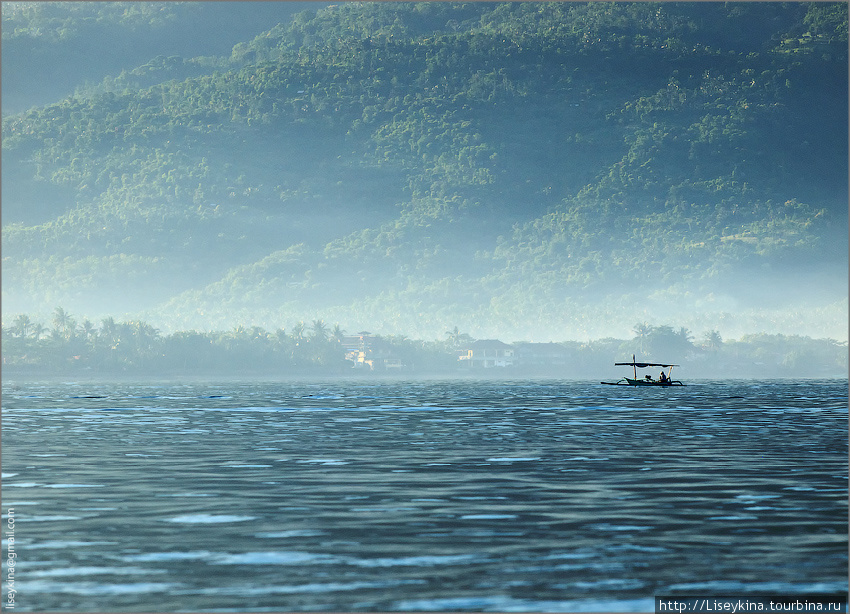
663, 379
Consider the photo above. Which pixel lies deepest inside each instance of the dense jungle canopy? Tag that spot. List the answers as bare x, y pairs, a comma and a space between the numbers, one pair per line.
537, 170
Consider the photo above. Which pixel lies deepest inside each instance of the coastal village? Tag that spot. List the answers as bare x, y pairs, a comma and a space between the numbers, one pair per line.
369, 352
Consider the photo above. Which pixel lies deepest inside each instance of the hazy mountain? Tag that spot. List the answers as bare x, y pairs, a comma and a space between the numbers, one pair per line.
524, 170
52, 48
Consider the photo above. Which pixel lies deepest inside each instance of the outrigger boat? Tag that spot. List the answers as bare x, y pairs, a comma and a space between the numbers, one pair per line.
663, 380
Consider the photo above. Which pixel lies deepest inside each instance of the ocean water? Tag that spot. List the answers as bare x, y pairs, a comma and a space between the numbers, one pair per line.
367, 495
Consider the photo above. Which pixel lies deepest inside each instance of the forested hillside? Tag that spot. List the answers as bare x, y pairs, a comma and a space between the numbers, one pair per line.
50, 49
525, 170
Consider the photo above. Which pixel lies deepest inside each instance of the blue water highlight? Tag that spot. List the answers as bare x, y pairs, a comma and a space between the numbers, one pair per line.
381, 496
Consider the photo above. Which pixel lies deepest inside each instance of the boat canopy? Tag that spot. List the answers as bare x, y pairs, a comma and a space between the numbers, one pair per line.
647, 381
642, 364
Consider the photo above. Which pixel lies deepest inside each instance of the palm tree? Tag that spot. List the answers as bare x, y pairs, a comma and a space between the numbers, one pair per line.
238, 331
61, 321
457, 338
297, 333
712, 340
21, 326
258, 333
642, 331
109, 331
146, 338
319, 331
337, 334
38, 329
686, 339
87, 328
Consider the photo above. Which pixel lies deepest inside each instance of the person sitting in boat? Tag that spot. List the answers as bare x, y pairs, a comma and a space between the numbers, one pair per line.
662, 378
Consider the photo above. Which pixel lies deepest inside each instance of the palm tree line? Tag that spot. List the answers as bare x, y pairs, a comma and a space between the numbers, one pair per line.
136, 346
135, 343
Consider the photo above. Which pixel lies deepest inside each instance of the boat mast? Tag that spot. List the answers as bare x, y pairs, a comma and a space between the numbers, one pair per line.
634, 365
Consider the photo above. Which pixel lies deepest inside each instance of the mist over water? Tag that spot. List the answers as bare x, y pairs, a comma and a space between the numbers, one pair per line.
438, 495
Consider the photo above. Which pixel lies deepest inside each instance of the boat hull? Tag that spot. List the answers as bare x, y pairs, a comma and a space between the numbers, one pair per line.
643, 382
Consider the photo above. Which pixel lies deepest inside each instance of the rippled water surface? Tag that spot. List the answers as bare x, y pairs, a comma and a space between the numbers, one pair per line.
443, 495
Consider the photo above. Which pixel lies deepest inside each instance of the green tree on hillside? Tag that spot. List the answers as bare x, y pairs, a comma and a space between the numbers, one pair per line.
431, 162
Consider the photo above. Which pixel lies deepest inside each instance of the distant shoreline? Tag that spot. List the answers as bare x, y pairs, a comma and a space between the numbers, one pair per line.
15, 376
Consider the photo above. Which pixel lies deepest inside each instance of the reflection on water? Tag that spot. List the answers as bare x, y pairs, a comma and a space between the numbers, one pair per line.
453, 495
